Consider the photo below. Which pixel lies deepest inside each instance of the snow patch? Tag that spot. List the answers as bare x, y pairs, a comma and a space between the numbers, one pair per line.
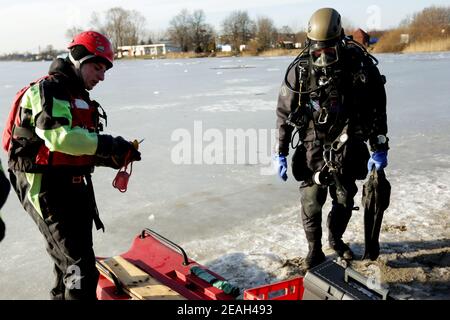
239, 105
150, 107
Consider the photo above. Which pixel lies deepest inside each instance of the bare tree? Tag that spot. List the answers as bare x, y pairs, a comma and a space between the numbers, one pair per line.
191, 32
157, 36
146, 37
124, 27
238, 29
209, 39
136, 29
285, 33
72, 32
96, 22
286, 30
266, 33
202, 34
179, 30
49, 52
430, 23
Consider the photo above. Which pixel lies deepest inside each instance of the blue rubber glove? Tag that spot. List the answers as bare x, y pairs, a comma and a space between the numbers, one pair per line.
280, 163
378, 159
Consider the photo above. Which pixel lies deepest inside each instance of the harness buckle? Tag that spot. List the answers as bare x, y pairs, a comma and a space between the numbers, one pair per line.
322, 119
77, 179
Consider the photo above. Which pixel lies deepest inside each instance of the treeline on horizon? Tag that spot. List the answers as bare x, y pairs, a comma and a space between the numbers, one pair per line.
191, 33
427, 30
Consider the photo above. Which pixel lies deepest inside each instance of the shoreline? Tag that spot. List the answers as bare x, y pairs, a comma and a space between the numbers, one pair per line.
269, 53
285, 53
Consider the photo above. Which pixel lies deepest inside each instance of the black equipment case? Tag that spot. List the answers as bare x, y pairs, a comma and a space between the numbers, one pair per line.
331, 281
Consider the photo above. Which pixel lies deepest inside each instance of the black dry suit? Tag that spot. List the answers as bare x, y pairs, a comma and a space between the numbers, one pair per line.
340, 108
58, 193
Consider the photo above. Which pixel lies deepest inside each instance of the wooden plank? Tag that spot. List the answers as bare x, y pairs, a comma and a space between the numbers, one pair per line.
137, 282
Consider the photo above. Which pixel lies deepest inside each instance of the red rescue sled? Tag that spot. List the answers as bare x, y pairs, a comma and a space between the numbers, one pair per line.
155, 268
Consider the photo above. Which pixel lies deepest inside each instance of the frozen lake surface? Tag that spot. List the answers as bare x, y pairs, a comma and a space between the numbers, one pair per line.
241, 223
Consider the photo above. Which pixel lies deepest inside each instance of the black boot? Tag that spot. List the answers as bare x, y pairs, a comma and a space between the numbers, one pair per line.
315, 255
338, 219
57, 293
342, 249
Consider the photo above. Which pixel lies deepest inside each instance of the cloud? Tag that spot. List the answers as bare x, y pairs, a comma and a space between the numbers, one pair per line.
34, 24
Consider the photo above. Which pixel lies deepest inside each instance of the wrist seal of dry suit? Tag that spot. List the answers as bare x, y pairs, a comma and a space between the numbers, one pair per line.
379, 143
104, 146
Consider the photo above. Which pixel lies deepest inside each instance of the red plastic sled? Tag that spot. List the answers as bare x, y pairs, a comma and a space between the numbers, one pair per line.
154, 268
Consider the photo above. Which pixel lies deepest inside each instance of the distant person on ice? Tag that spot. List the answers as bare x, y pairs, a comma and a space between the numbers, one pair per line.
331, 103
53, 152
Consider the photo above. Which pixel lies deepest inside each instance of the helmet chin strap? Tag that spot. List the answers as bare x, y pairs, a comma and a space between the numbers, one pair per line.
77, 64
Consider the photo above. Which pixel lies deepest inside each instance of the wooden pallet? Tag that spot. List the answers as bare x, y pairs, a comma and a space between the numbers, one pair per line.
135, 282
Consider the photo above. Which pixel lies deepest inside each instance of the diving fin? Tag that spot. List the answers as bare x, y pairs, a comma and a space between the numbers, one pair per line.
375, 199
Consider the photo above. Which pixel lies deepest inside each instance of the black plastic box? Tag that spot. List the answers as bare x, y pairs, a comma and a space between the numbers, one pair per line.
331, 281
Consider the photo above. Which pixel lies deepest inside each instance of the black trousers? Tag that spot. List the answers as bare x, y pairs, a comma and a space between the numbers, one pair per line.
312, 198
66, 224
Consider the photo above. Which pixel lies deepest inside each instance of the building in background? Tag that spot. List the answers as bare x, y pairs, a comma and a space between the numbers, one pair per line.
224, 48
159, 49
362, 37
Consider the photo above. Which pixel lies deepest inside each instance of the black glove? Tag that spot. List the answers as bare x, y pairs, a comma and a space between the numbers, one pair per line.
2, 229
5, 186
116, 152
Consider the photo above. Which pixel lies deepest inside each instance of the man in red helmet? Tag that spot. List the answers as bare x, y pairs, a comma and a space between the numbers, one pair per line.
54, 147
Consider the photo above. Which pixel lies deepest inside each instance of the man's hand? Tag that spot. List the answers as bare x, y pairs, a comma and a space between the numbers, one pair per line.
378, 159
280, 164
117, 149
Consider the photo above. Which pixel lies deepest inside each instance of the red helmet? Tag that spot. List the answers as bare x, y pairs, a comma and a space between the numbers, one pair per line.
95, 43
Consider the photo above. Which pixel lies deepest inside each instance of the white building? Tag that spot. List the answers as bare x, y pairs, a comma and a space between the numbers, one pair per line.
147, 50
404, 38
224, 47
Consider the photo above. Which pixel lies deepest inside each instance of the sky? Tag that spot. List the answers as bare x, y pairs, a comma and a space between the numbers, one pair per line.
28, 25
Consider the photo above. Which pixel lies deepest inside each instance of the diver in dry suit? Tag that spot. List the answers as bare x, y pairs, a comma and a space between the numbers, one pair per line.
331, 103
